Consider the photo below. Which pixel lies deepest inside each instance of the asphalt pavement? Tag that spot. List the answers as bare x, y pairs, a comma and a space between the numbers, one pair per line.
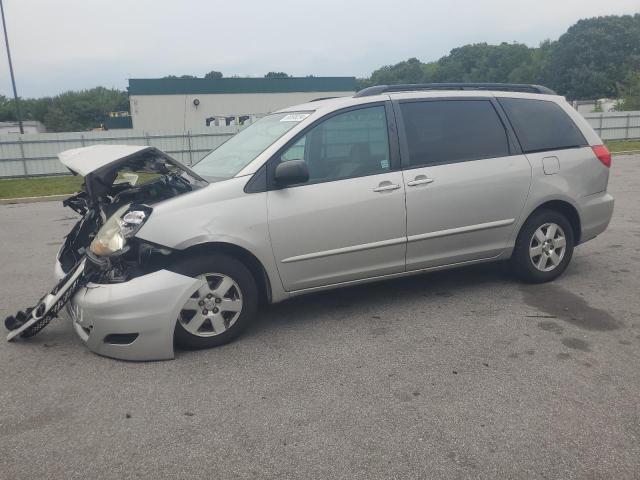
459, 374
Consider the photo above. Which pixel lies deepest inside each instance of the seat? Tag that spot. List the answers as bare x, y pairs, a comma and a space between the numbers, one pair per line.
365, 163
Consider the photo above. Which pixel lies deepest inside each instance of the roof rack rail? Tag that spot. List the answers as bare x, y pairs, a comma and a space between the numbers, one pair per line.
411, 87
321, 98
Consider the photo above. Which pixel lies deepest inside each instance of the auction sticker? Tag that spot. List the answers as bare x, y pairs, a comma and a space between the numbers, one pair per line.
294, 117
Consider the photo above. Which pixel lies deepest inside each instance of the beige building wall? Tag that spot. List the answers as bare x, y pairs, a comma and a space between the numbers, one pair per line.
178, 112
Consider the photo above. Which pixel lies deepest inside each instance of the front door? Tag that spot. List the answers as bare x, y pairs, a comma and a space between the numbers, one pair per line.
348, 221
466, 182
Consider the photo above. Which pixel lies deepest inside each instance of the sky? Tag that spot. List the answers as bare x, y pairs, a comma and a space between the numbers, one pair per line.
60, 45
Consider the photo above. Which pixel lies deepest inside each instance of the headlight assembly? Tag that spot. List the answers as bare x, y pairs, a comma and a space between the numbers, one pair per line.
122, 225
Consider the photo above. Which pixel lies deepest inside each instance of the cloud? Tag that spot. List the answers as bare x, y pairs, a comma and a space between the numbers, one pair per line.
71, 44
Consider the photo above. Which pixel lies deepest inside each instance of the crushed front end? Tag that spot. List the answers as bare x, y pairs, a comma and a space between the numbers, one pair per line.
121, 297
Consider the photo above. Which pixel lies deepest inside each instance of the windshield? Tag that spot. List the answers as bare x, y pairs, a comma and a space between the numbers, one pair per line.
237, 152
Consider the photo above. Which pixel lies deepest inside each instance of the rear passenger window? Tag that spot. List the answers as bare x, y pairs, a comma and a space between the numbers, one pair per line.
541, 125
446, 131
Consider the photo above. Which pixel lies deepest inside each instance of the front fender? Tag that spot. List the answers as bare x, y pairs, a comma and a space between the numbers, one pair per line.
219, 213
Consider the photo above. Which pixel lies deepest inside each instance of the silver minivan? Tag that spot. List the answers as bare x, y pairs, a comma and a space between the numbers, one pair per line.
393, 181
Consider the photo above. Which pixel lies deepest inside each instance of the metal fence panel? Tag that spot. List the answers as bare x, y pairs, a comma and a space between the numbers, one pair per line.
36, 154
615, 125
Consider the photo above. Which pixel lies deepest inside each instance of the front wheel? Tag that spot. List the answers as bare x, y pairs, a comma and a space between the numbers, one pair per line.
544, 247
221, 308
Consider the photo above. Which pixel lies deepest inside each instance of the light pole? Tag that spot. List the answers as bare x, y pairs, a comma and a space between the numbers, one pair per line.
13, 79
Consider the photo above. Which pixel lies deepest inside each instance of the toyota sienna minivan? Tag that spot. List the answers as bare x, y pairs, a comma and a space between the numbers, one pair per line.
393, 181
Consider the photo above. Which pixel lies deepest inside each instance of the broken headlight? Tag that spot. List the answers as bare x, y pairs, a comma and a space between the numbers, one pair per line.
122, 225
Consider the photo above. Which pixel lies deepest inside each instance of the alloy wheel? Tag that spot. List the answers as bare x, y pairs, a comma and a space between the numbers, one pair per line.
213, 308
547, 247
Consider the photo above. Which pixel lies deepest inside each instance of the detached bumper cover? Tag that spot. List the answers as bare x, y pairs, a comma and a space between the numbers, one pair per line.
134, 320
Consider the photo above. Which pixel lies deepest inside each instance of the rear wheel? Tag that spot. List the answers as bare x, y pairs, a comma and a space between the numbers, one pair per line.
221, 308
544, 247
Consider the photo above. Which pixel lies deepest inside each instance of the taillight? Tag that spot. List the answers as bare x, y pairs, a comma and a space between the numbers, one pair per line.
603, 154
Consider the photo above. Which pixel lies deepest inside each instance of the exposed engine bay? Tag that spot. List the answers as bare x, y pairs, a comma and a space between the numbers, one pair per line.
121, 185
95, 214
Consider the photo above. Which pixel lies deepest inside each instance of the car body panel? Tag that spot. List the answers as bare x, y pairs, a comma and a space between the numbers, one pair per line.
467, 213
85, 160
147, 306
595, 214
102, 158
338, 231
580, 177
219, 213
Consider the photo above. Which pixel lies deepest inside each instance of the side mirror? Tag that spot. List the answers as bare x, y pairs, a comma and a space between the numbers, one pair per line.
291, 172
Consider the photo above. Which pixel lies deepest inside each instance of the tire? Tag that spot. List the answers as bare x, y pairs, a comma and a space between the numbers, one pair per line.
525, 262
223, 326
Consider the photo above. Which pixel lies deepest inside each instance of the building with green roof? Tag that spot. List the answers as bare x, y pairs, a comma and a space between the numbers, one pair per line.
177, 104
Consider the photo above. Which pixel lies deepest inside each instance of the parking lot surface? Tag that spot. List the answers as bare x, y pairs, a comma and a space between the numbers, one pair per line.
459, 374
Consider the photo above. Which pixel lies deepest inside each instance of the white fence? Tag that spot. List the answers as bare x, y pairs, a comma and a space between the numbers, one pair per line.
36, 154
615, 125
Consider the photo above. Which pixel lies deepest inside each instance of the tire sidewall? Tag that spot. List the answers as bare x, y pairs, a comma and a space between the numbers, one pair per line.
230, 266
521, 260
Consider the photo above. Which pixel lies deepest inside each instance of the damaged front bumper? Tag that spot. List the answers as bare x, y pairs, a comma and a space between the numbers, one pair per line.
122, 297
133, 320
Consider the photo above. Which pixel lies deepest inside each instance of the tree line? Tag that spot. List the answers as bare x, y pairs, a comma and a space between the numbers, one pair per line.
69, 111
596, 58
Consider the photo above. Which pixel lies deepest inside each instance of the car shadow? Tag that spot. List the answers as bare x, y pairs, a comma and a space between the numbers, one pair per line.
430, 286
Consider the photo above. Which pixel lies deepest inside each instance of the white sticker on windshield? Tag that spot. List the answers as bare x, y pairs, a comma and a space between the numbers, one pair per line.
295, 117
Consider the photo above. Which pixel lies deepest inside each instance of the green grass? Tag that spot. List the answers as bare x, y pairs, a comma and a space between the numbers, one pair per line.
623, 145
39, 186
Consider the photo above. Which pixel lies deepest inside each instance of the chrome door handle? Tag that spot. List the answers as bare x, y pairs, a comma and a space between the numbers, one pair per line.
420, 180
386, 186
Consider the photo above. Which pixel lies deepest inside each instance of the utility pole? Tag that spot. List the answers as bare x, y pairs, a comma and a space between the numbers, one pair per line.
13, 79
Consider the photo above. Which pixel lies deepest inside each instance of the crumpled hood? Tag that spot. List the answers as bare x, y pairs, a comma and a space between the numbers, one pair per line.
85, 160
100, 164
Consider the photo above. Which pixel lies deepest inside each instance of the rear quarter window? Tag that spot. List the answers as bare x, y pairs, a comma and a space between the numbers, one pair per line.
541, 125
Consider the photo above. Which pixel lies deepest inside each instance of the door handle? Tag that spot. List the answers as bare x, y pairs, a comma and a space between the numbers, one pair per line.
386, 186
420, 180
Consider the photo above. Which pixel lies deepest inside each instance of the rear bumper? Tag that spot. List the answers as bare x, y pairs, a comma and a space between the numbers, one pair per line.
595, 214
134, 320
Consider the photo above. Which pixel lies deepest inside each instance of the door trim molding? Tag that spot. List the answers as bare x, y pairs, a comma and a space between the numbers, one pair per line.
407, 273
339, 251
456, 231
398, 241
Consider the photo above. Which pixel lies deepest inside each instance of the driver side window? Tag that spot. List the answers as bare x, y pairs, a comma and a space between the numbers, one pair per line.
347, 145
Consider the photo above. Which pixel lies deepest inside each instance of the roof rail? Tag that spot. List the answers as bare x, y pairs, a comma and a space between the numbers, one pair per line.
411, 87
321, 98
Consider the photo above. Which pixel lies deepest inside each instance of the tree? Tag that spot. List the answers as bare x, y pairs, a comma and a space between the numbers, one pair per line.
593, 55
173, 77
629, 92
7, 109
482, 63
277, 75
587, 62
69, 111
72, 111
471, 63
409, 71
536, 69
213, 75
